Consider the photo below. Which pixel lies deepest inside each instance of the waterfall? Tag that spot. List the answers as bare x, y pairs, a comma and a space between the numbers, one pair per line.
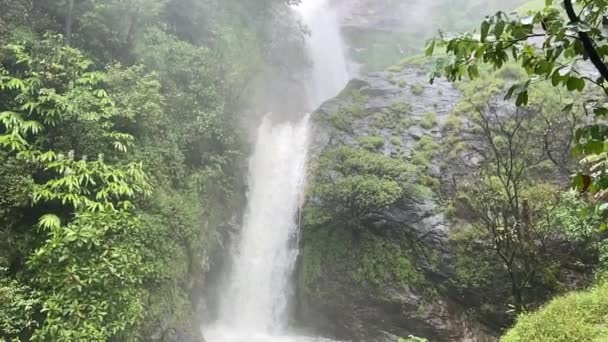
254, 305
326, 50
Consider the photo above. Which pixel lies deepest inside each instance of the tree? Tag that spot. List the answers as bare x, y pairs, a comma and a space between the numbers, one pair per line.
552, 45
351, 185
85, 262
512, 214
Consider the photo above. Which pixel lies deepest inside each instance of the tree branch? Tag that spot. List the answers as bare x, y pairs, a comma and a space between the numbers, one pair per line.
587, 42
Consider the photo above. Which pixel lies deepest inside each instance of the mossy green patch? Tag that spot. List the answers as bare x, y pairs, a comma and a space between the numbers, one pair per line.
371, 142
363, 258
429, 120
382, 263
353, 108
579, 316
417, 89
396, 117
453, 123
424, 151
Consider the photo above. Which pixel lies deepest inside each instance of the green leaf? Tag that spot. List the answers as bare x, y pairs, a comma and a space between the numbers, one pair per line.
522, 99
600, 111
49, 222
485, 29
499, 28
575, 83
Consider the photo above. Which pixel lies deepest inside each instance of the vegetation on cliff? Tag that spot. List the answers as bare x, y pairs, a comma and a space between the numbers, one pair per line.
556, 47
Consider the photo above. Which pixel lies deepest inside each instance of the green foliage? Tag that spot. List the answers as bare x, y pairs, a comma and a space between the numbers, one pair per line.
371, 142
378, 50
429, 120
383, 263
354, 183
87, 272
353, 108
195, 95
15, 186
395, 118
424, 151
323, 249
578, 316
90, 273
567, 37
19, 306
400, 108
88, 254
475, 267
453, 123
412, 338
372, 262
417, 89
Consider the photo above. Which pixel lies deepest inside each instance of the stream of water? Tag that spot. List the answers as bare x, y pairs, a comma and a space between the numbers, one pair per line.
254, 305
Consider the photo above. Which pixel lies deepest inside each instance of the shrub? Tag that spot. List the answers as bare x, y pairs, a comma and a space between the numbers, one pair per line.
353, 183
399, 108
417, 89
424, 151
429, 120
371, 142
452, 123
578, 316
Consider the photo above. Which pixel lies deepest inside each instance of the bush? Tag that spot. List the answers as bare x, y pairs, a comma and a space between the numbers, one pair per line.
353, 183
424, 151
400, 108
452, 123
417, 89
371, 142
579, 316
429, 120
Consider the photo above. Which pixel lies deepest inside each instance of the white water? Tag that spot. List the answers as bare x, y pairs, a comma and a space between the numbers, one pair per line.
326, 49
254, 306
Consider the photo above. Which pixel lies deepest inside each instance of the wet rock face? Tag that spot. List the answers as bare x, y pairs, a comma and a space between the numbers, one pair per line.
412, 294
380, 15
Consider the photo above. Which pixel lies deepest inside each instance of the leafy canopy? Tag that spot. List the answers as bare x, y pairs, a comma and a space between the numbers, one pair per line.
566, 47
355, 183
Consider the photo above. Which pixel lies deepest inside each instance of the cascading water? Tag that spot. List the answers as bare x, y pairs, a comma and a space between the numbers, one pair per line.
326, 49
253, 306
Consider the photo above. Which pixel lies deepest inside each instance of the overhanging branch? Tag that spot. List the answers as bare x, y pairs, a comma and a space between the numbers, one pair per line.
598, 63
